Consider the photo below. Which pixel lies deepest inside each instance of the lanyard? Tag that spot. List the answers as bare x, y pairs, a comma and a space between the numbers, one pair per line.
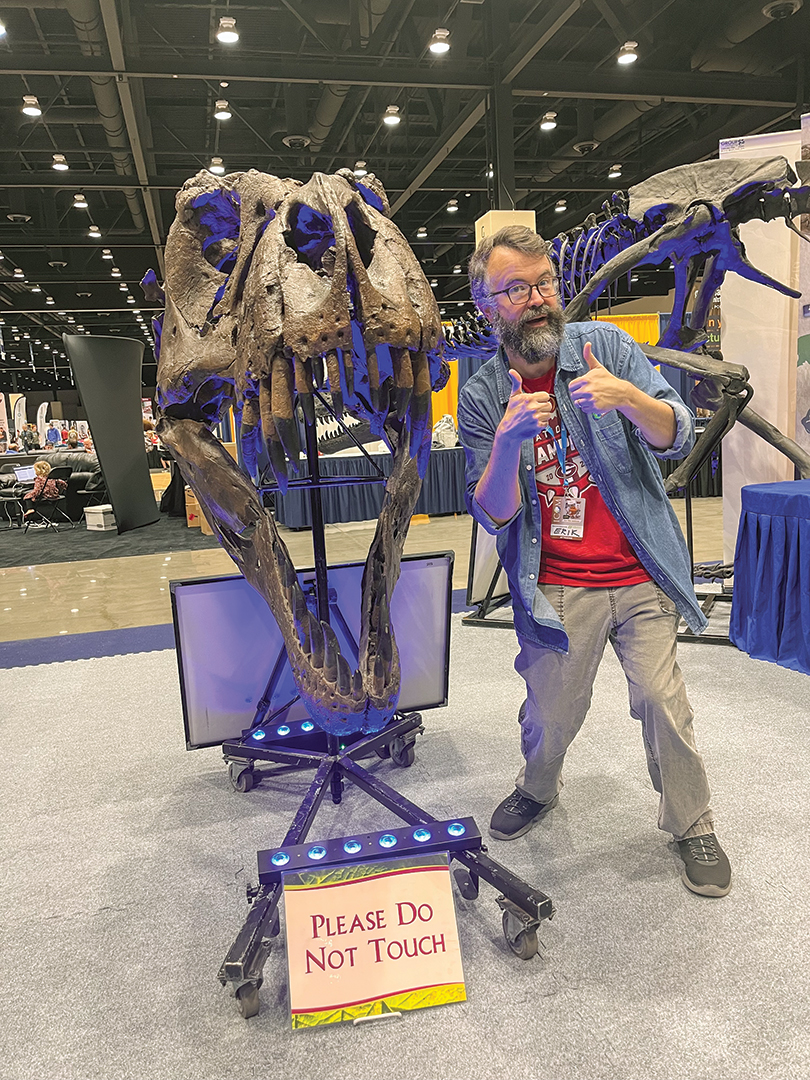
561, 447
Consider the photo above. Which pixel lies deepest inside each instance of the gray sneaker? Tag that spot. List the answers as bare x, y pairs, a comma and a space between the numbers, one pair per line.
706, 867
516, 815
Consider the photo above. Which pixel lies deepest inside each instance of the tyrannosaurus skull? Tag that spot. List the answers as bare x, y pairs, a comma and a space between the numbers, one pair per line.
276, 291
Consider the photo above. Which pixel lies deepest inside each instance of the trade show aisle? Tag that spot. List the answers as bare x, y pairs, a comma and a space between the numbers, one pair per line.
124, 861
47, 599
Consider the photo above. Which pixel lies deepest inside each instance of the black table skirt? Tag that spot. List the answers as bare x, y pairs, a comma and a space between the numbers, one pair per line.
442, 490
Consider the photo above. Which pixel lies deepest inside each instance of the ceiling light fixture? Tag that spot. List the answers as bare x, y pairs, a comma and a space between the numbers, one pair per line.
123, 287
36, 288
452, 206
560, 206
439, 44
130, 299
216, 166
627, 53
106, 253
227, 32
360, 169
115, 272
392, 117
19, 273
434, 283
549, 121
222, 112
49, 300
95, 232
457, 268
59, 163
421, 232
615, 172
79, 202
31, 105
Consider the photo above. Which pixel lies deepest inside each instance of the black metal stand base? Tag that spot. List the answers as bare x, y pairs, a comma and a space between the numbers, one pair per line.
523, 906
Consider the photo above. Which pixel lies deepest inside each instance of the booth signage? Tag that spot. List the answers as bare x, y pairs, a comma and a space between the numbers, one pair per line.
372, 938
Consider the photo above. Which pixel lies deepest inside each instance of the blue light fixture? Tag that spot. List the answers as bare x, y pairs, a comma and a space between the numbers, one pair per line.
258, 735
283, 730
307, 726
451, 835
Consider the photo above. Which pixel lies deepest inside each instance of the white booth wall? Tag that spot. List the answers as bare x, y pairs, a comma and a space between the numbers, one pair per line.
759, 331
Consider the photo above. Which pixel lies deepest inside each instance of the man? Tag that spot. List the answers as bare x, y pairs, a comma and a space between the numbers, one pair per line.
52, 436
561, 429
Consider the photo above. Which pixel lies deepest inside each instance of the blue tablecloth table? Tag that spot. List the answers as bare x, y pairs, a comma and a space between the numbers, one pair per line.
770, 608
442, 490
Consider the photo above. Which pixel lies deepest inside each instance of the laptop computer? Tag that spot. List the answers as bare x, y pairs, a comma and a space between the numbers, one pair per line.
25, 474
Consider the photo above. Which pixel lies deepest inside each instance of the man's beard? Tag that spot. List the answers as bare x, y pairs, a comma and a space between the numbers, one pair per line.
534, 343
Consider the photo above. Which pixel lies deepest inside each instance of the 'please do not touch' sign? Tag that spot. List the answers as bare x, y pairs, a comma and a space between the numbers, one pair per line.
372, 938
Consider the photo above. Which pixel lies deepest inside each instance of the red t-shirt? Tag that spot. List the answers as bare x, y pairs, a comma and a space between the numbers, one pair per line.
603, 557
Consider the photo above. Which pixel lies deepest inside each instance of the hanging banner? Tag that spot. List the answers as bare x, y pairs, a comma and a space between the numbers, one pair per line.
803, 358
20, 418
372, 938
42, 419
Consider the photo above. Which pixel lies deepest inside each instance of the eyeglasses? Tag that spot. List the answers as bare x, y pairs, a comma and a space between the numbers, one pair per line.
520, 293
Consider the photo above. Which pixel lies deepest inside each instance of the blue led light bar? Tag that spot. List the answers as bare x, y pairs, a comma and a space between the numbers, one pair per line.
456, 834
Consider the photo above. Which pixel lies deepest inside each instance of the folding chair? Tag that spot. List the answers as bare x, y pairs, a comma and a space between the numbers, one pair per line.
47, 511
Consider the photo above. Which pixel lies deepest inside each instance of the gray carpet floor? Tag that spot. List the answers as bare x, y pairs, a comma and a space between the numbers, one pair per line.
124, 859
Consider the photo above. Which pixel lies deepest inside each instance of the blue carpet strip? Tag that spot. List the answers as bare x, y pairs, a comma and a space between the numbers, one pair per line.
53, 650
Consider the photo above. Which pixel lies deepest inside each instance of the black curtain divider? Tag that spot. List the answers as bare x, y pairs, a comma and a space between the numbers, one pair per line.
107, 371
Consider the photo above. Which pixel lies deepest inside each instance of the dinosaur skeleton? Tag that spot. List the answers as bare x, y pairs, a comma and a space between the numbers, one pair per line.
688, 217
276, 292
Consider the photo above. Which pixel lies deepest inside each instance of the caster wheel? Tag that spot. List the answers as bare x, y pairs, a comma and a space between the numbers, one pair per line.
242, 779
402, 753
467, 884
383, 751
247, 1000
522, 942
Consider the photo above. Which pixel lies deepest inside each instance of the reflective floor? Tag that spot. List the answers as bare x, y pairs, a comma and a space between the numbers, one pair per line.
111, 594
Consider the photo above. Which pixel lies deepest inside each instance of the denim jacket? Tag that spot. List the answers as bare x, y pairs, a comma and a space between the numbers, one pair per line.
619, 459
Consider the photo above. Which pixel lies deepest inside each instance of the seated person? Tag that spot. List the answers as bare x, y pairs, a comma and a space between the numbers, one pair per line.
44, 490
73, 442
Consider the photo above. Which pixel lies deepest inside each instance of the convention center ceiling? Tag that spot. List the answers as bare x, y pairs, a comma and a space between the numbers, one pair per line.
529, 106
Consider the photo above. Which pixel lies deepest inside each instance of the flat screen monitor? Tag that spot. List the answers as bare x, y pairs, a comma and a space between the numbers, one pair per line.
25, 474
229, 645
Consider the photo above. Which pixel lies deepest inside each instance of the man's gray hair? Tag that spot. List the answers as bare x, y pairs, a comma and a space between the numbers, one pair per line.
516, 237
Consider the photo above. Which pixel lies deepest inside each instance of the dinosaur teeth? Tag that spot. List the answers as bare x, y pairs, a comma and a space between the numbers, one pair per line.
316, 642
331, 652
379, 676
357, 686
303, 385
344, 675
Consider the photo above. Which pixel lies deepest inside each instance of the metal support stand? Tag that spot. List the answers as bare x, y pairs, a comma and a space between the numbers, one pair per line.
335, 762
708, 600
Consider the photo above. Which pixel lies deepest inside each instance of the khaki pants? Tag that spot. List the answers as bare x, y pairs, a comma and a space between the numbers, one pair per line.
640, 622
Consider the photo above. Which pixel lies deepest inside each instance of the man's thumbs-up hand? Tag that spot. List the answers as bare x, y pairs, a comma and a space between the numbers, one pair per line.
526, 414
598, 391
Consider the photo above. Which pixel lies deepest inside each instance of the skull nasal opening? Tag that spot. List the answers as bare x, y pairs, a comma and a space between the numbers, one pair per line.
310, 235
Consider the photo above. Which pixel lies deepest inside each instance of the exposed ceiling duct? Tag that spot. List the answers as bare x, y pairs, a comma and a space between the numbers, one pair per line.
86, 16
732, 31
